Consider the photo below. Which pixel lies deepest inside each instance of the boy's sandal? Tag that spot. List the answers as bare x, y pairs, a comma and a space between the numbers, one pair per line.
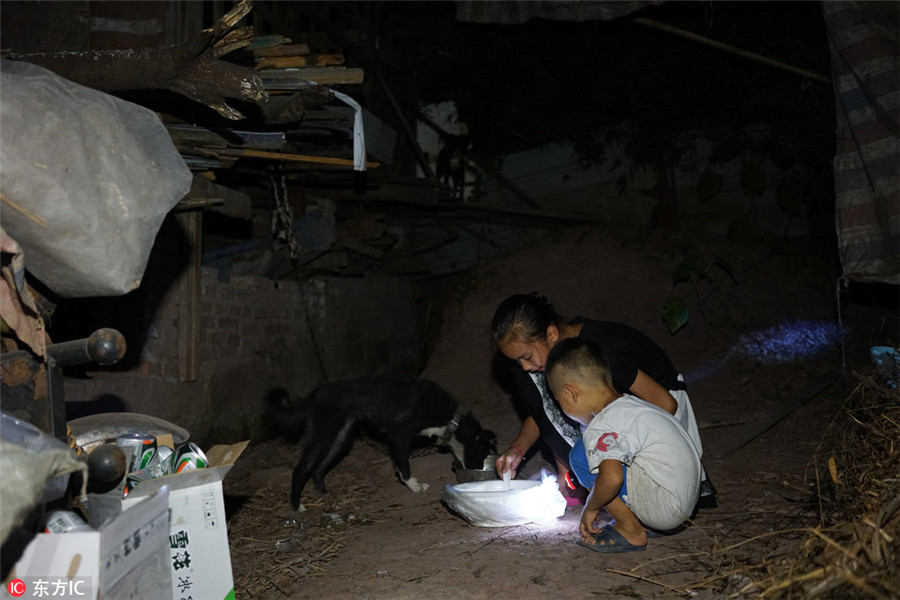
610, 541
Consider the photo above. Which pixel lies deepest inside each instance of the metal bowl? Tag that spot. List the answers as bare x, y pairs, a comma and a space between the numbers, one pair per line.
94, 430
486, 473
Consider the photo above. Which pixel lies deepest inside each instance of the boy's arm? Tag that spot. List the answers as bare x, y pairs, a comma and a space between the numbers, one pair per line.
646, 388
606, 487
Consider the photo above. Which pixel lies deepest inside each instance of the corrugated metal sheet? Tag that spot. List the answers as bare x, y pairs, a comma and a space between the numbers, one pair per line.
864, 42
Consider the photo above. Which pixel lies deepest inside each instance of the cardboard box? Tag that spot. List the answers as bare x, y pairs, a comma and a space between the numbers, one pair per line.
128, 557
199, 553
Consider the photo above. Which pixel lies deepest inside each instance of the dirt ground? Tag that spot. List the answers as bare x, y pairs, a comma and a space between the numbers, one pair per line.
761, 424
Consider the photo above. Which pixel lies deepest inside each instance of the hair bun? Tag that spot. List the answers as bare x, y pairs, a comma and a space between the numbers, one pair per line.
543, 300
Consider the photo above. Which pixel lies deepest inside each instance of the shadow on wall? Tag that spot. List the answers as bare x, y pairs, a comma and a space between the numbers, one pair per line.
104, 403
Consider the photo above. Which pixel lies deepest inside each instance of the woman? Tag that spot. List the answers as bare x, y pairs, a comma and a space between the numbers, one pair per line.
525, 328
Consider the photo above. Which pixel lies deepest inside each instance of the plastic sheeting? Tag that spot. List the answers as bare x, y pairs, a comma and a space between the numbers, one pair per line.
35, 469
863, 38
86, 181
517, 12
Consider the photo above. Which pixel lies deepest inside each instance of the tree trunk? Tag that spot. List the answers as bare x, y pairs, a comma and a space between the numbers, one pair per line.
192, 69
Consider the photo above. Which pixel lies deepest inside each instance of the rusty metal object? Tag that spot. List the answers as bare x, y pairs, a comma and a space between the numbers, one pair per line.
32, 389
105, 347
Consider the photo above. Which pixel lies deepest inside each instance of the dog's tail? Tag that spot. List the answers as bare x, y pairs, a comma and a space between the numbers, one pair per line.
284, 417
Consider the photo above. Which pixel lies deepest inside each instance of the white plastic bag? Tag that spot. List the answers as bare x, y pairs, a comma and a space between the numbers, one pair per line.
36, 469
491, 504
86, 179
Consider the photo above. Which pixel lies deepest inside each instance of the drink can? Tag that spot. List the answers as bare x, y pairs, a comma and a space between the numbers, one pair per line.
143, 449
188, 456
132, 479
64, 521
161, 465
130, 482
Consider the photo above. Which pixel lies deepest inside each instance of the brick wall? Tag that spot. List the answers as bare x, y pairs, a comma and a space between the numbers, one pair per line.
255, 334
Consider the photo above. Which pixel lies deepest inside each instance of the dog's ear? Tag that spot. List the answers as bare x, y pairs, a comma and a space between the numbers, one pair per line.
488, 439
484, 437
281, 417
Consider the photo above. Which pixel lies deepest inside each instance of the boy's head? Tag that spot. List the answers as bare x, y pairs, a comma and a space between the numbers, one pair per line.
578, 374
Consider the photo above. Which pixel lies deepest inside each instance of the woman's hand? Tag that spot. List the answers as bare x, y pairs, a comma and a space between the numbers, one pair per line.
509, 461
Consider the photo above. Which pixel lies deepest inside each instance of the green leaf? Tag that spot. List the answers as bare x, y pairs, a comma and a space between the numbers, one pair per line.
709, 184
753, 177
675, 314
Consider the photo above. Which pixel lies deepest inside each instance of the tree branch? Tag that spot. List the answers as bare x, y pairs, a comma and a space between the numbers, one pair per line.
192, 69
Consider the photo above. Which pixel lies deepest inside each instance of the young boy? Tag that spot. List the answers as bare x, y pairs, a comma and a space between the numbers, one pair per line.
646, 468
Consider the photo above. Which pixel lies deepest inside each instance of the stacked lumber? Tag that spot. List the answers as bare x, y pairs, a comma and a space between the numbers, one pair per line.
297, 76
284, 66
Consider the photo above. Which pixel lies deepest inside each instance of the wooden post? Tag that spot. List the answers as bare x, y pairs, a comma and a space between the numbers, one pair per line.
191, 224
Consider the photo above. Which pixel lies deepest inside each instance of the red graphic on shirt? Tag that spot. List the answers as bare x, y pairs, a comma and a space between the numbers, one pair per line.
607, 441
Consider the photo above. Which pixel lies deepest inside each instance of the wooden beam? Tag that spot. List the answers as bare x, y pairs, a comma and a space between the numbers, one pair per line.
191, 223
281, 50
322, 160
731, 49
288, 62
321, 75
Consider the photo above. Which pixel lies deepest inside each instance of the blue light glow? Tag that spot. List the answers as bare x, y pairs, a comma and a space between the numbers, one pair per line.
789, 341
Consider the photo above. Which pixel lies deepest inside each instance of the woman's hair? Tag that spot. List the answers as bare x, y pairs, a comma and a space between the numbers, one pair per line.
578, 359
523, 317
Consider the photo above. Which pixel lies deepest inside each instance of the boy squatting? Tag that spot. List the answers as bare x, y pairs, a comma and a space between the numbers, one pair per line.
645, 469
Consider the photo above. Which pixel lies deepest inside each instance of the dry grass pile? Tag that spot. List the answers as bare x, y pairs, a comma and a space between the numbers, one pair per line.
270, 550
841, 542
273, 546
854, 549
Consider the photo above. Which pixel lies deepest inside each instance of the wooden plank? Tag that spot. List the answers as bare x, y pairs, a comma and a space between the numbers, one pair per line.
323, 75
732, 49
193, 135
313, 60
198, 202
229, 202
191, 223
268, 41
282, 50
322, 160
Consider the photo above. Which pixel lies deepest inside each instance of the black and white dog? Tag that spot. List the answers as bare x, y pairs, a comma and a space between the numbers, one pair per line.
392, 411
